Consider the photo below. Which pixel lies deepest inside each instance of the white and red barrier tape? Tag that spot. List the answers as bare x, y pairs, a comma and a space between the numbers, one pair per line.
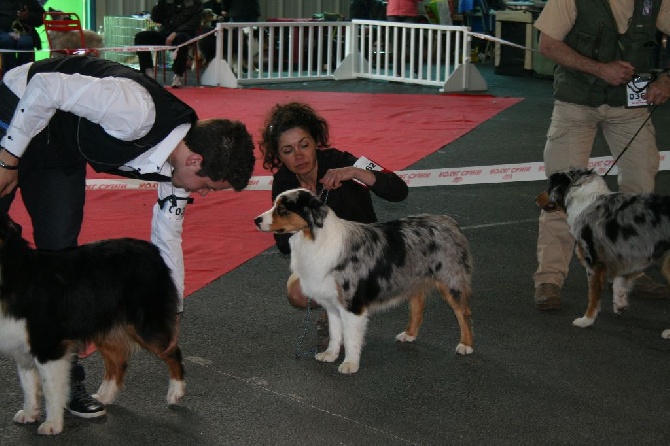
452, 176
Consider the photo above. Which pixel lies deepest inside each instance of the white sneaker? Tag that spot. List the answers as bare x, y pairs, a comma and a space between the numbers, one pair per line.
176, 81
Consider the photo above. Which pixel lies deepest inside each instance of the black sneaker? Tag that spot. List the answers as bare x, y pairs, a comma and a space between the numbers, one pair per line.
82, 404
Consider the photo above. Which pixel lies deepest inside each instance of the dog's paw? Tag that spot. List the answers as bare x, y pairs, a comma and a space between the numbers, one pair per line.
176, 391
327, 356
666, 334
347, 368
107, 392
618, 308
26, 417
620, 303
404, 337
463, 349
583, 322
50, 427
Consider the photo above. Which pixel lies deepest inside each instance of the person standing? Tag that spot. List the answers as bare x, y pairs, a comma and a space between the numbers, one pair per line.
179, 22
58, 115
18, 22
241, 10
599, 48
403, 11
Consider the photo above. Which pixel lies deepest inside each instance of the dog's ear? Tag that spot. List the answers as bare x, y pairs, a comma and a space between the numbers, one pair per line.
542, 199
315, 212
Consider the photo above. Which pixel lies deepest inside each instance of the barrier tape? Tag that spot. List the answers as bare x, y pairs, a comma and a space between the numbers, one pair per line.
134, 48
501, 41
123, 49
452, 176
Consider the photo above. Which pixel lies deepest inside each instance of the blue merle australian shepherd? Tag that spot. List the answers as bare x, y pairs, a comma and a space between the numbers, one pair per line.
352, 269
617, 235
116, 293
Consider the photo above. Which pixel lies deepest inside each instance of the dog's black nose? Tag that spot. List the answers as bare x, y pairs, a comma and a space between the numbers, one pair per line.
258, 221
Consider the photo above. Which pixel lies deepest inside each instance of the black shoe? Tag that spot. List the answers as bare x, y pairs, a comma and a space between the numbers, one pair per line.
82, 404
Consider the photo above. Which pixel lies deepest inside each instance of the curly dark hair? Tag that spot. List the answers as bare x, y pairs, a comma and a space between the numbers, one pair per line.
227, 150
285, 117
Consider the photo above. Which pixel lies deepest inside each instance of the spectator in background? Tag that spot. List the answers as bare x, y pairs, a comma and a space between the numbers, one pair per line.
241, 10
403, 11
179, 22
18, 20
215, 5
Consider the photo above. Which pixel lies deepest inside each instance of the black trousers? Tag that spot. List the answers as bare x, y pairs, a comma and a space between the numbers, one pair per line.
158, 38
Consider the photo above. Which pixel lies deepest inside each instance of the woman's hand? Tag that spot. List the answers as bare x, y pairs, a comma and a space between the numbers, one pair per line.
334, 178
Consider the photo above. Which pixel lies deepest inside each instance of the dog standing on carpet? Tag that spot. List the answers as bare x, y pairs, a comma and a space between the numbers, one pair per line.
617, 235
352, 269
116, 293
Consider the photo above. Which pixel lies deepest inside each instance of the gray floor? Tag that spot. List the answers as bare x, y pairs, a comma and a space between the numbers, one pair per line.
533, 378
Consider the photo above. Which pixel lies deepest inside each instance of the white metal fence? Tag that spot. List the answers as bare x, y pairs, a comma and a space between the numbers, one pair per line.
432, 55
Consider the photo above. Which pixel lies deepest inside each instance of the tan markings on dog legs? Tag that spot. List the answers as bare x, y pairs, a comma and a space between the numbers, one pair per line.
665, 268
417, 302
171, 356
463, 315
596, 279
175, 365
115, 349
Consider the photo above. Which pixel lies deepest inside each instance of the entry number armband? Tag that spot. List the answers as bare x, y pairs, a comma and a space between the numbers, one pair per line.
367, 164
636, 91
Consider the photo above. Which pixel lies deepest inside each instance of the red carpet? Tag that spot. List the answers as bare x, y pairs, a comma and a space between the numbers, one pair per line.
219, 234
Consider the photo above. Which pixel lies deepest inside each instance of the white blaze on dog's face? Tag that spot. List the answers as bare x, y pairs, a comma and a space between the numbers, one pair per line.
294, 210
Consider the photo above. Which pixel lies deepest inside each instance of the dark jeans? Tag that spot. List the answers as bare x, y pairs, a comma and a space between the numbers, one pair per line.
12, 60
143, 38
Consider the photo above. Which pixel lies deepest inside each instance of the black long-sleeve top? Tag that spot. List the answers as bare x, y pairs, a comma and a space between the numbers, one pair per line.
351, 201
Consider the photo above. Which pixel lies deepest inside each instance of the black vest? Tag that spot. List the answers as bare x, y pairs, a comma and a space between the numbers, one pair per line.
102, 151
595, 35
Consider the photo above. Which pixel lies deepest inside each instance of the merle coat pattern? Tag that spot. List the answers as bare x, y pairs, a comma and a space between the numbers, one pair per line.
352, 268
618, 235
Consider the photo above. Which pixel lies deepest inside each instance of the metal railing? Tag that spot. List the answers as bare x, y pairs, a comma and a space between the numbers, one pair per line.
432, 55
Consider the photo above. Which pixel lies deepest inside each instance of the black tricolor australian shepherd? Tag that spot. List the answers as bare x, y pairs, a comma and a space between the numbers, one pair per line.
618, 235
116, 293
352, 269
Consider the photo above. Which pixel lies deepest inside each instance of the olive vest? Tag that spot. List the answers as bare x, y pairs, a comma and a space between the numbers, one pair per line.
595, 35
102, 151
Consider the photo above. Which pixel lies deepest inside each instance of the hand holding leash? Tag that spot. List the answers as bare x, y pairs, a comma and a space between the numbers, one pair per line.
658, 92
334, 178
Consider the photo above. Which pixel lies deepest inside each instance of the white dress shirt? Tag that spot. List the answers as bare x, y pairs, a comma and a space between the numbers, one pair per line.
125, 110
